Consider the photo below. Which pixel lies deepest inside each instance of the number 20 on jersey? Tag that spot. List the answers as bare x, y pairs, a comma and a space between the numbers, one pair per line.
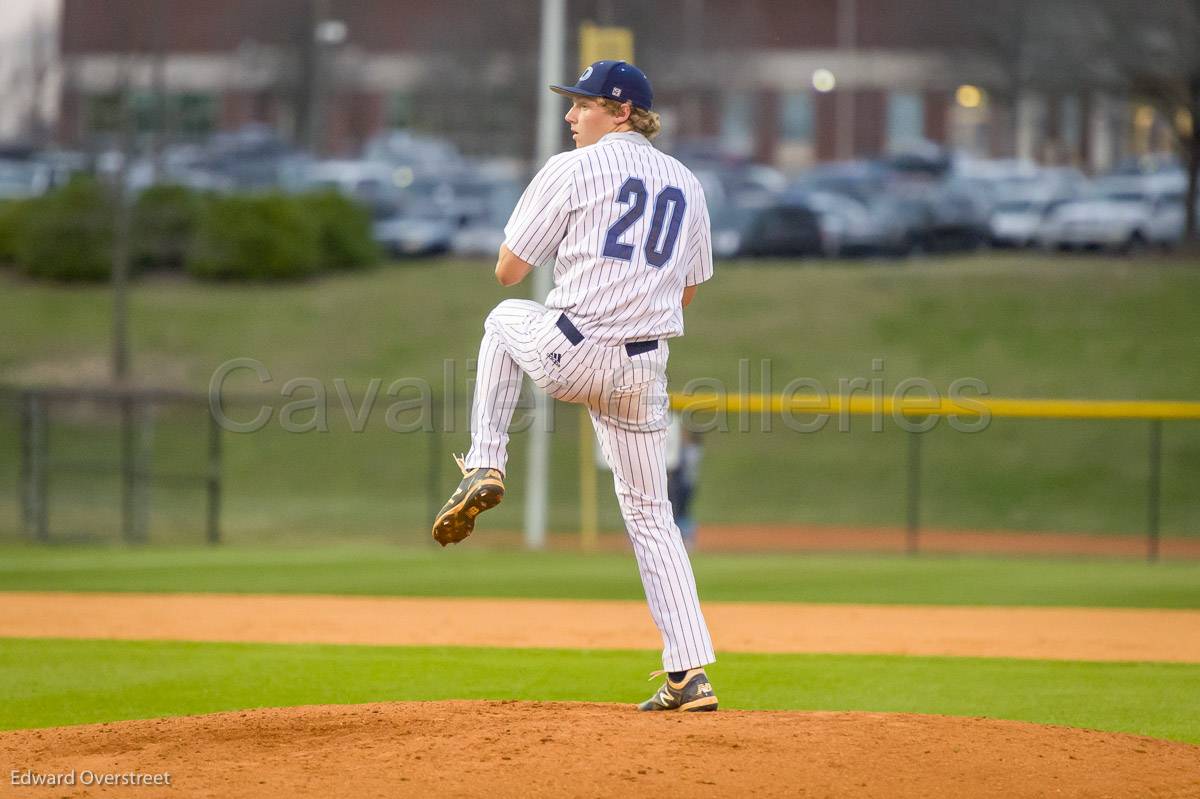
669, 207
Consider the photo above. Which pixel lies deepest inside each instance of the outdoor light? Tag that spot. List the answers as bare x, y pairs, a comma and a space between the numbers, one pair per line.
969, 96
1183, 122
331, 31
823, 80
402, 178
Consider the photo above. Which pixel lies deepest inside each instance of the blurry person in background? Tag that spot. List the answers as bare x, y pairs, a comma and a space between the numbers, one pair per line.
684, 451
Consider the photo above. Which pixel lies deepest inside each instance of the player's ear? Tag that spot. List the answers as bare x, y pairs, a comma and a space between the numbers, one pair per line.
623, 113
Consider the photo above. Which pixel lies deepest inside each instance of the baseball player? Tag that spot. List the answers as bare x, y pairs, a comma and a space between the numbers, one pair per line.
626, 230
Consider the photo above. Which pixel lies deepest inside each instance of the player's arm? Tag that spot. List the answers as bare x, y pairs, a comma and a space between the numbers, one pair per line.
699, 252
510, 270
539, 222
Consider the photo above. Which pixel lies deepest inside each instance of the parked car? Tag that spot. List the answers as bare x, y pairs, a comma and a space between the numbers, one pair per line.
1123, 221
778, 229
852, 227
371, 183
960, 209
729, 225
23, 178
862, 180
423, 156
409, 236
485, 206
462, 211
1016, 223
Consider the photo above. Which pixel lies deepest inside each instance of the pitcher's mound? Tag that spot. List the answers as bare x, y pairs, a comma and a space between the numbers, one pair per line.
523, 749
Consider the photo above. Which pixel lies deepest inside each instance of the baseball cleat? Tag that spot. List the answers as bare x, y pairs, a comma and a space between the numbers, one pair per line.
692, 693
479, 490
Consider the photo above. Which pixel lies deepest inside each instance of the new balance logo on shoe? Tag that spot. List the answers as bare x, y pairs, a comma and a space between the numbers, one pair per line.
694, 693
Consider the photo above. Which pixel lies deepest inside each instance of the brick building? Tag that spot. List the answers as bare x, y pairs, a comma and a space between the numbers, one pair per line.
738, 73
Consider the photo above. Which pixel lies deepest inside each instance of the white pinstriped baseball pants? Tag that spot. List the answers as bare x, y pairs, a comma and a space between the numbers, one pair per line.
626, 397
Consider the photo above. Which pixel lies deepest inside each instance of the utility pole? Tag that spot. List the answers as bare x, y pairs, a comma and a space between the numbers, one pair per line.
120, 283
325, 35
158, 67
120, 248
549, 134
847, 35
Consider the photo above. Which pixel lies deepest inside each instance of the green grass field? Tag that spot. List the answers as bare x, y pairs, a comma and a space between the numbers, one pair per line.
1028, 326
53, 682
347, 513
48, 682
464, 571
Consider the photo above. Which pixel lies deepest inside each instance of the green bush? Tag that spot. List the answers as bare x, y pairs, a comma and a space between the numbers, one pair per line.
343, 231
12, 229
267, 237
164, 225
67, 234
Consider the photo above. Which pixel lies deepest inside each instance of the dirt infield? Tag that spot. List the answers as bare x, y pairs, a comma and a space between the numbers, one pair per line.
526, 749
1056, 633
536, 749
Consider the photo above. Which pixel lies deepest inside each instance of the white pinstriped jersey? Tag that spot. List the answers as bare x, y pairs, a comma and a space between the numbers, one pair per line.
627, 228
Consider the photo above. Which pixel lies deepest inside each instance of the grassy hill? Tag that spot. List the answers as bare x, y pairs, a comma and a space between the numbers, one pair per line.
1027, 326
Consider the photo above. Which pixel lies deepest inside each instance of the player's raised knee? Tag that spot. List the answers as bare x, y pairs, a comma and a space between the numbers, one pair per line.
506, 308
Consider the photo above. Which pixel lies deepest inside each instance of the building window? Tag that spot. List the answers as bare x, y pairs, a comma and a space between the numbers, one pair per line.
796, 116
400, 110
737, 124
796, 149
905, 120
1071, 128
196, 114
188, 115
103, 113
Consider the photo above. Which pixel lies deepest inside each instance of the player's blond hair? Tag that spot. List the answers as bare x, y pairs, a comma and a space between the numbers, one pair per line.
644, 122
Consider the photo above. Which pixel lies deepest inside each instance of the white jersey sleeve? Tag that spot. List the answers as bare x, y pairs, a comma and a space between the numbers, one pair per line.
539, 222
699, 252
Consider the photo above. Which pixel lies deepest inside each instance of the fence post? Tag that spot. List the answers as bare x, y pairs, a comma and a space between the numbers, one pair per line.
1153, 492
28, 497
214, 480
24, 483
128, 469
433, 466
35, 446
143, 469
914, 492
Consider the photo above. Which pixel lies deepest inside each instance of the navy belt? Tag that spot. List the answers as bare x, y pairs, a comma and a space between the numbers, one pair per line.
574, 336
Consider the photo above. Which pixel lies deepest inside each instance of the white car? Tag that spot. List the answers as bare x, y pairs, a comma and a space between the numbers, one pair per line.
22, 179
1015, 223
407, 236
1121, 221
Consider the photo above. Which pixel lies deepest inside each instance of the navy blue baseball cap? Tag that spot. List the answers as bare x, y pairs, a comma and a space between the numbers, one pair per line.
612, 80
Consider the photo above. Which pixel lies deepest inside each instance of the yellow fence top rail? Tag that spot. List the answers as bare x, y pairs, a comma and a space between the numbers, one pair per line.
866, 405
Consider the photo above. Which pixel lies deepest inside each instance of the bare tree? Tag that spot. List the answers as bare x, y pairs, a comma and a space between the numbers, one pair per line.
1153, 54
43, 61
1014, 47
